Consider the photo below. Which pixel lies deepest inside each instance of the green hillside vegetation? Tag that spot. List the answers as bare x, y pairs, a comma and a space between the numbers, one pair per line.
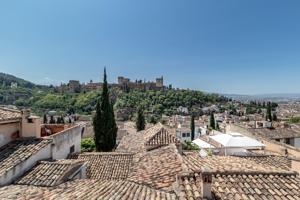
7, 79
167, 102
42, 99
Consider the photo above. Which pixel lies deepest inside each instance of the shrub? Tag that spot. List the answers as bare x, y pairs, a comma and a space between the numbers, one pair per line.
190, 146
88, 145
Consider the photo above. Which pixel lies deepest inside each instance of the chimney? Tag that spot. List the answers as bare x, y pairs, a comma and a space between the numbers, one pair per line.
25, 113
206, 183
31, 125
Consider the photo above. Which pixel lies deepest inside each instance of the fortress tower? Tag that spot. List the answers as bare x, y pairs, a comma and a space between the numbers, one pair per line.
160, 82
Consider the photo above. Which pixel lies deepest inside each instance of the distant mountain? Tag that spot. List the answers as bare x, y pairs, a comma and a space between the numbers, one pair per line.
279, 97
7, 79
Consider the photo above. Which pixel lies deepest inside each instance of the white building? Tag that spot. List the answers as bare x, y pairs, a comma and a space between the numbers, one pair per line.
233, 142
184, 133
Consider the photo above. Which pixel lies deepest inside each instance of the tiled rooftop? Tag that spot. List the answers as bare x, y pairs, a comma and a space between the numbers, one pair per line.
8, 114
256, 187
277, 133
157, 168
107, 166
159, 137
230, 164
280, 162
154, 137
243, 186
50, 173
86, 189
133, 143
18, 151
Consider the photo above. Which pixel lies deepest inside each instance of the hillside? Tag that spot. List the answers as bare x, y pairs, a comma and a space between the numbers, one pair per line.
155, 103
7, 80
14, 89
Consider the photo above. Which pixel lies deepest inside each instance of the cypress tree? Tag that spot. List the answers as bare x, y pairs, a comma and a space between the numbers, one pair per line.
192, 127
58, 120
45, 119
52, 120
212, 121
62, 121
269, 112
104, 124
140, 120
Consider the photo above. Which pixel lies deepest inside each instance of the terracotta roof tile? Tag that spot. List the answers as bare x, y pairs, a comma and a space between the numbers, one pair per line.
17, 151
277, 133
107, 166
157, 168
281, 162
86, 189
132, 143
228, 164
152, 138
242, 186
8, 114
50, 173
258, 186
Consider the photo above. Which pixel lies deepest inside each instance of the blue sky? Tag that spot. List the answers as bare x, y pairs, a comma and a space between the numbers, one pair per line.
232, 46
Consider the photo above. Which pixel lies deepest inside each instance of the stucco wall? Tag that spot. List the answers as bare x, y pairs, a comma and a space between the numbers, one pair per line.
297, 142
296, 165
6, 132
14, 173
63, 141
31, 129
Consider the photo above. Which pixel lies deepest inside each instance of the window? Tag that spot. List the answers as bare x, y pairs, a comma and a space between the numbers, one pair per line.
183, 135
188, 135
72, 149
82, 131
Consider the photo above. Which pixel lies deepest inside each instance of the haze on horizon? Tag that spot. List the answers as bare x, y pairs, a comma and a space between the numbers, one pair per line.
234, 47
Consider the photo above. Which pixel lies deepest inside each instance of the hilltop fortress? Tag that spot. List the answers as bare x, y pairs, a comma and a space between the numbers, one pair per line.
125, 84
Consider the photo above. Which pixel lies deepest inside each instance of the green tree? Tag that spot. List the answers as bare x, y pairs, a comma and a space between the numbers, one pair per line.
58, 120
62, 120
269, 112
104, 123
193, 127
140, 120
152, 120
45, 120
212, 121
52, 120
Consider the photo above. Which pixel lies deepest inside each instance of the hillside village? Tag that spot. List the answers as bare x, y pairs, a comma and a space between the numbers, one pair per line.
244, 156
149, 100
